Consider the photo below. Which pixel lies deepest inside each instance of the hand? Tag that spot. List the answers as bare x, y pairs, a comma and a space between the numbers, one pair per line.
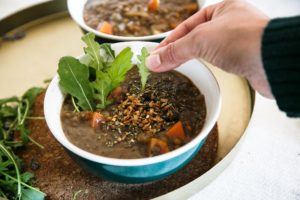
227, 34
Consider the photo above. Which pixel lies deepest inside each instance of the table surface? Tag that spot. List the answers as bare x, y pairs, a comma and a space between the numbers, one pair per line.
267, 165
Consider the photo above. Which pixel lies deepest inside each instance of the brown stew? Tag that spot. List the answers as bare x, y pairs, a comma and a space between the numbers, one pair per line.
137, 17
168, 114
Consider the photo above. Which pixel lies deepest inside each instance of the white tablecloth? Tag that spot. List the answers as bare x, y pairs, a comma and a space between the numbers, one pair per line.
267, 166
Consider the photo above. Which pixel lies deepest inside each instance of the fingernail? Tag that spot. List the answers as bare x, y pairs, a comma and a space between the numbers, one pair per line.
153, 61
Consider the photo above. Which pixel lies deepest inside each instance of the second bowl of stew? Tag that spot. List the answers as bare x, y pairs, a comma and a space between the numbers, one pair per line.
139, 136
127, 20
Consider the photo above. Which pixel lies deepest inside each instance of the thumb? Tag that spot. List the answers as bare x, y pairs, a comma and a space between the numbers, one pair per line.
172, 55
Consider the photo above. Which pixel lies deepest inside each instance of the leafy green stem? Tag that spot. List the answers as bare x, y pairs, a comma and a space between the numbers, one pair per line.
19, 111
11, 127
25, 112
18, 179
75, 194
2, 194
74, 104
34, 118
14, 142
22, 183
143, 70
35, 142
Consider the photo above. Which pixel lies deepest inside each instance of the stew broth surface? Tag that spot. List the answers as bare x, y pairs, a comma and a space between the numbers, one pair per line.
136, 119
131, 17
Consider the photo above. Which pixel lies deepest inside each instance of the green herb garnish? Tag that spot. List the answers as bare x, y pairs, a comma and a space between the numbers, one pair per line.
74, 196
102, 87
109, 54
93, 51
14, 113
120, 66
143, 70
74, 79
98, 74
107, 81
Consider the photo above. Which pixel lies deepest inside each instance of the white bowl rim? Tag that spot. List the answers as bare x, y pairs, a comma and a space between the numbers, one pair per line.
83, 25
139, 161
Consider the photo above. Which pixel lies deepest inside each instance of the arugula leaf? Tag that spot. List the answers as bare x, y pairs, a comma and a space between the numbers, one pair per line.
30, 194
74, 196
108, 50
7, 111
11, 157
26, 177
93, 50
74, 79
31, 94
108, 55
107, 81
103, 87
8, 100
120, 66
143, 70
100, 74
14, 112
24, 134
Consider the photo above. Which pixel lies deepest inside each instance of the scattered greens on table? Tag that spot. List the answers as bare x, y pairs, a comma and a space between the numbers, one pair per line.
89, 82
14, 113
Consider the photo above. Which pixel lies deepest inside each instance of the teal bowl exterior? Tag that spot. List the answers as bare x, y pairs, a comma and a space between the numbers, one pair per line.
137, 174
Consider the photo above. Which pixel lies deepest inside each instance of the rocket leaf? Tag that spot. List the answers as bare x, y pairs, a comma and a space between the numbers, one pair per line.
143, 70
31, 194
93, 50
31, 94
102, 87
120, 66
108, 55
74, 79
107, 81
94, 86
108, 50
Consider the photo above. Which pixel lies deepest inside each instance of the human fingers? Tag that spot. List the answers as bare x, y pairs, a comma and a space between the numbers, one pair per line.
189, 24
173, 54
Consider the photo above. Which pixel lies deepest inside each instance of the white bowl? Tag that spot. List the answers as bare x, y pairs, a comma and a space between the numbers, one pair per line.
76, 8
143, 169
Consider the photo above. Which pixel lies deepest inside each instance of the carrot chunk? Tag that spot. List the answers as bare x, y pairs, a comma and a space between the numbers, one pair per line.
191, 7
105, 27
153, 5
96, 119
115, 93
157, 146
176, 131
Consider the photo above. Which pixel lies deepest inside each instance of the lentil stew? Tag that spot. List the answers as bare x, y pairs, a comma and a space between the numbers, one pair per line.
137, 17
168, 114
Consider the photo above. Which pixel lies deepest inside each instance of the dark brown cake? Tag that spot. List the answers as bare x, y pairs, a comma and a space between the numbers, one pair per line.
59, 177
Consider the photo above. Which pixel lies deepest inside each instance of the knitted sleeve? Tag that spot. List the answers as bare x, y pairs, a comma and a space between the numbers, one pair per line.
281, 60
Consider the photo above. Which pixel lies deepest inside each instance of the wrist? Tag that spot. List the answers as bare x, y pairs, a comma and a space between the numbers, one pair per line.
256, 74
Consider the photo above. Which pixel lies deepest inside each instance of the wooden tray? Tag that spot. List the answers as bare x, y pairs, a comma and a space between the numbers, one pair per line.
51, 33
